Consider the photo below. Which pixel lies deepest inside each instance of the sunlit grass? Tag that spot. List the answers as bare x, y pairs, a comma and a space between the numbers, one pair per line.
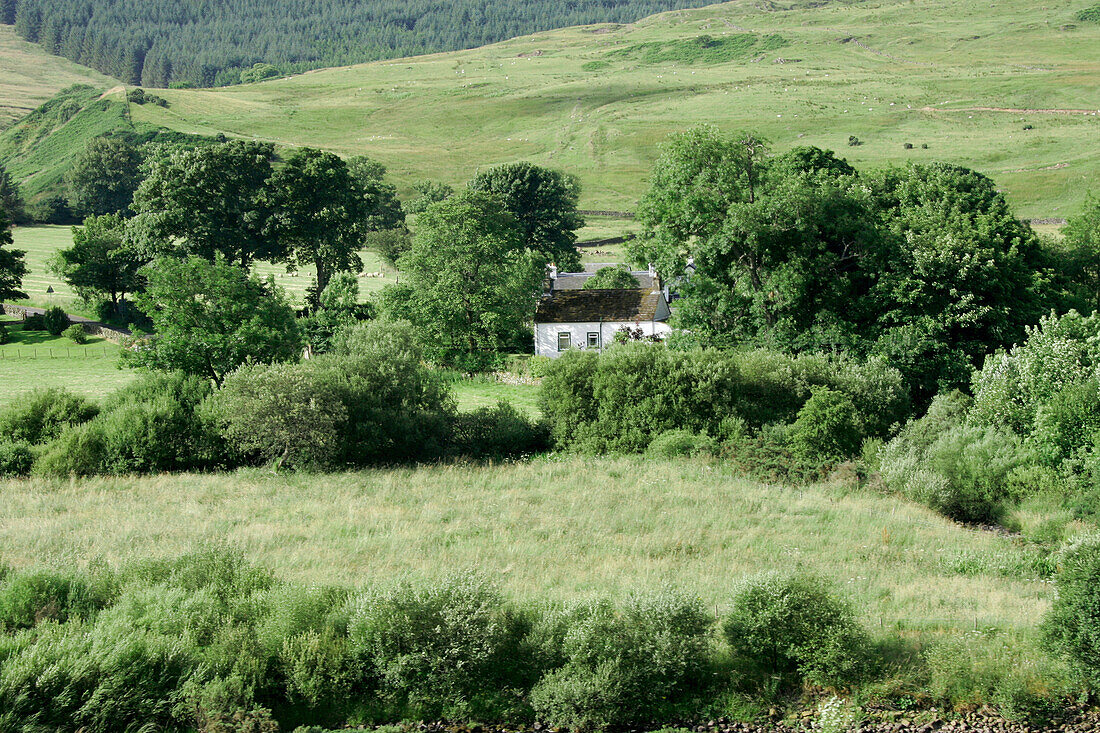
552, 529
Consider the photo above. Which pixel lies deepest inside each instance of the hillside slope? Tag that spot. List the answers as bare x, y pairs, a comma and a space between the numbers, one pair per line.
29, 76
963, 78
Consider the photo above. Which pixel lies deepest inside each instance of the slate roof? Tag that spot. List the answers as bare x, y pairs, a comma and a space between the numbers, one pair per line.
589, 306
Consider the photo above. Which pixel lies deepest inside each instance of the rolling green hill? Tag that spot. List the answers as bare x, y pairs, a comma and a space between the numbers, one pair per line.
964, 78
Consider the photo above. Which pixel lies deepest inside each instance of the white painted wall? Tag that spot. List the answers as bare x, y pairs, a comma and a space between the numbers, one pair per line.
546, 334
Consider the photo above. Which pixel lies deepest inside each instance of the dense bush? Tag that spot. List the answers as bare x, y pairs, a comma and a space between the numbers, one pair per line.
3, 333
43, 414
34, 322
16, 458
371, 402
682, 443
623, 398
453, 648
827, 428
963, 471
1072, 627
31, 597
150, 425
55, 320
497, 432
795, 627
76, 334
648, 662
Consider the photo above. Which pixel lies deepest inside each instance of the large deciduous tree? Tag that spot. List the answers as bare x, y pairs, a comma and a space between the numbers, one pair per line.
544, 204
383, 209
104, 177
319, 214
210, 318
1082, 239
470, 284
99, 264
12, 266
208, 201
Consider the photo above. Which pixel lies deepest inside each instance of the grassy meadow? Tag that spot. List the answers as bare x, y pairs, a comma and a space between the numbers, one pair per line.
962, 78
554, 529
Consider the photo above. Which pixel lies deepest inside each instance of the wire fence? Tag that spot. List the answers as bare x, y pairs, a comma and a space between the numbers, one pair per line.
19, 353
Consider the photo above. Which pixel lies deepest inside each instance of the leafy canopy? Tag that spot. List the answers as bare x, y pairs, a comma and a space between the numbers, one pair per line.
210, 318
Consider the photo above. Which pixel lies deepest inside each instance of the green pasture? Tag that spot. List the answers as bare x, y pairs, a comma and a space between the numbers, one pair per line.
471, 394
557, 528
963, 78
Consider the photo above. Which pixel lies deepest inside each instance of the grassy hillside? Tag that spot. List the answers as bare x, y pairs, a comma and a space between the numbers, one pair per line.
556, 528
29, 76
963, 78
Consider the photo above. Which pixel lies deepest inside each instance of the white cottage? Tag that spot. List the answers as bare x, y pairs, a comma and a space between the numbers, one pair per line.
569, 317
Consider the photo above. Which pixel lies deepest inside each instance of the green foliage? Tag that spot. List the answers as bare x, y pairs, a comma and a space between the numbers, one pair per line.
259, 72
390, 244
452, 648
11, 199
428, 193
621, 399
646, 663
617, 277
827, 429
319, 214
702, 49
1072, 627
55, 320
12, 266
31, 597
338, 308
1089, 15
104, 177
681, 444
796, 627
43, 414
16, 458
469, 283
962, 471
544, 204
497, 432
167, 45
205, 201
287, 413
76, 334
211, 318
99, 264
146, 427
3, 333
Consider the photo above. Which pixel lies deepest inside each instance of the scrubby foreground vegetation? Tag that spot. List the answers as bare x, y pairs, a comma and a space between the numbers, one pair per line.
209, 641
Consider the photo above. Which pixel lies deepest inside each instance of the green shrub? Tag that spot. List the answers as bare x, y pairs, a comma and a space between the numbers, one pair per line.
43, 414
3, 333
795, 627
79, 451
498, 432
32, 596
682, 443
99, 680
1089, 15
965, 474
288, 413
452, 648
55, 320
76, 334
1072, 627
649, 662
827, 429
223, 571
16, 458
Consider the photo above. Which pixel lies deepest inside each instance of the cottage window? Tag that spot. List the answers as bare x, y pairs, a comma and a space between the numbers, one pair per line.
563, 341
593, 340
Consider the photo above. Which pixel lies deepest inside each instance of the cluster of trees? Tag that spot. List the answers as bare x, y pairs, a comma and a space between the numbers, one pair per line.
924, 265
161, 43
